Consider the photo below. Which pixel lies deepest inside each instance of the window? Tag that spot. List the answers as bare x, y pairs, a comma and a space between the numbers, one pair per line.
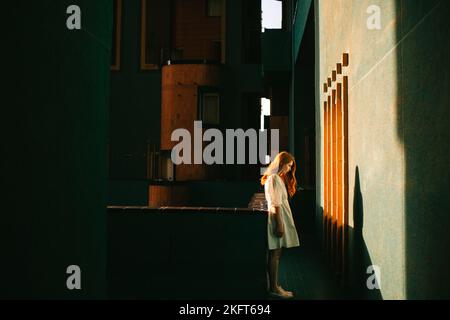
265, 111
155, 32
216, 50
251, 31
214, 8
209, 106
272, 14
177, 54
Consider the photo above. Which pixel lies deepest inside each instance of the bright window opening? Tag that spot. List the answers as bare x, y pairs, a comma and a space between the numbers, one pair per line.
265, 110
272, 13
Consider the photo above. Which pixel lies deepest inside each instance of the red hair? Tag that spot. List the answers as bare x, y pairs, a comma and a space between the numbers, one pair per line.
275, 167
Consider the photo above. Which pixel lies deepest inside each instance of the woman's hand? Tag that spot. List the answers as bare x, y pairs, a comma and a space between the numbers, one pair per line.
279, 230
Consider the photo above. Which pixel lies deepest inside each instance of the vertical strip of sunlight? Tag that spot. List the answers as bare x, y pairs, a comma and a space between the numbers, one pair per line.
271, 14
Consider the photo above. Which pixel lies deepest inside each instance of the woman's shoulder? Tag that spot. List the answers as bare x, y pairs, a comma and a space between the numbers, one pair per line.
274, 176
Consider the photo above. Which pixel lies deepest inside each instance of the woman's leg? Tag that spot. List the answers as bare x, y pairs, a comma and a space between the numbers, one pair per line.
274, 261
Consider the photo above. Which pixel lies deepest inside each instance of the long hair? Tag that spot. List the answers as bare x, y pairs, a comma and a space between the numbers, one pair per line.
275, 167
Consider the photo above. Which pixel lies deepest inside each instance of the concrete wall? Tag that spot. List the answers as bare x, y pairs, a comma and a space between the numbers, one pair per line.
398, 102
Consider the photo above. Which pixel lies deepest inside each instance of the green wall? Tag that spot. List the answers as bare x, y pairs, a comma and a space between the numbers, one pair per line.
398, 106
54, 129
301, 10
423, 120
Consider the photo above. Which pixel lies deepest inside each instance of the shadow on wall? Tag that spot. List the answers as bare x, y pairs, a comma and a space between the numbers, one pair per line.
423, 114
359, 255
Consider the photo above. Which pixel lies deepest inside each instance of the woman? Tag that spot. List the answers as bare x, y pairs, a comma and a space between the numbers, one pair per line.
279, 182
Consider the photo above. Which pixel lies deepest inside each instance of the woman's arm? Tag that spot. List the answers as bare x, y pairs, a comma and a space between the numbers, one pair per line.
279, 230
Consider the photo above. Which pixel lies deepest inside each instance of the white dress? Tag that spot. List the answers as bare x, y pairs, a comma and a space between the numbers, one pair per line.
276, 195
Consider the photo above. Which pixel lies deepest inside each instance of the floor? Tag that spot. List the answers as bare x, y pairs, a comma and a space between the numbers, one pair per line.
304, 271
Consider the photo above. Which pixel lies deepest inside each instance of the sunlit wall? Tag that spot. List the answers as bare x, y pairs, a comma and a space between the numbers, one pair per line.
376, 154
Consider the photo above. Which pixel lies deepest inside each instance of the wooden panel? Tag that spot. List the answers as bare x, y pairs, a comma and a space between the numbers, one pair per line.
334, 177
195, 32
159, 195
329, 176
345, 60
187, 172
339, 178
179, 106
179, 110
325, 169
179, 99
345, 179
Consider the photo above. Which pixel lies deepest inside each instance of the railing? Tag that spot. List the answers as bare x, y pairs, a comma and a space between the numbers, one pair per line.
258, 201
